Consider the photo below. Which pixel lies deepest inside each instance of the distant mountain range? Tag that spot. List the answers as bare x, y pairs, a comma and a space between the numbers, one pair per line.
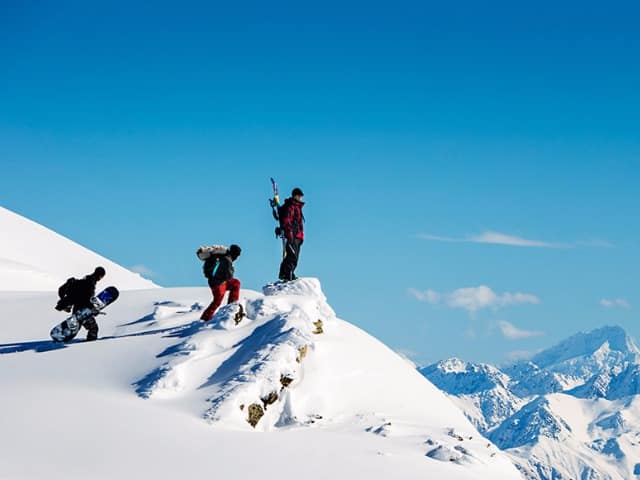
571, 412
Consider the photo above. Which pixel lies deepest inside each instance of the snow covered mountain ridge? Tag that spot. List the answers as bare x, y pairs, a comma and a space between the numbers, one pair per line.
572, 411
34, 258
289, 389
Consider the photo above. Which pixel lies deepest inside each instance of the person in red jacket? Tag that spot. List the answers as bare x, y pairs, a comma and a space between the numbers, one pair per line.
292, 225
219, 272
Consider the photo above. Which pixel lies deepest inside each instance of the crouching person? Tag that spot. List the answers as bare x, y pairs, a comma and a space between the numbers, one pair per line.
218, 269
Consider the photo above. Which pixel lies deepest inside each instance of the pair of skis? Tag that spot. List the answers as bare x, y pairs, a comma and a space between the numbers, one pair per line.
275, 203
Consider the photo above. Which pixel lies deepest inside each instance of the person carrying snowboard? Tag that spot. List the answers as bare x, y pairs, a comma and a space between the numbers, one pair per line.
219, 270
292, 225
77, 294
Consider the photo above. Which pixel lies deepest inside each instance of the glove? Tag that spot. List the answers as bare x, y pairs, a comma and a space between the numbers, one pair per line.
61, 308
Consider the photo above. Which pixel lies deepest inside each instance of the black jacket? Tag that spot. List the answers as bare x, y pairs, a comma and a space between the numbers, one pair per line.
79, 294
222, 272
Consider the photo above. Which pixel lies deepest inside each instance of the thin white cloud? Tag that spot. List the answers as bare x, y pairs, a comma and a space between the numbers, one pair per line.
615, 302
511, 332
473, 299
143, 270
498, 238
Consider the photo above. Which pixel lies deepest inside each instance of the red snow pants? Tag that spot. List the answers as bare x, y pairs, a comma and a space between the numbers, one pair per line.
233, 285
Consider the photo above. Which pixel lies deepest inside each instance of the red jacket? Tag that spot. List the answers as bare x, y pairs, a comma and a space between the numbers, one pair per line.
292, 220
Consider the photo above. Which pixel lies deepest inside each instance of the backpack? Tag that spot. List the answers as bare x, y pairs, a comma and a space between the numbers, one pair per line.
67, 287
282, 212
204, 253
211, 265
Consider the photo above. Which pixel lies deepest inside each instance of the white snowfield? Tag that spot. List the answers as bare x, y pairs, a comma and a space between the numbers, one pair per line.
34, 258
162, 396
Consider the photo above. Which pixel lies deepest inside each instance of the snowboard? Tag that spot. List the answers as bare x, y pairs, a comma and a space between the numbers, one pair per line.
68, 329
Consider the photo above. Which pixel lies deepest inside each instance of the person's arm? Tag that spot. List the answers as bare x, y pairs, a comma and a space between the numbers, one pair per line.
287, 222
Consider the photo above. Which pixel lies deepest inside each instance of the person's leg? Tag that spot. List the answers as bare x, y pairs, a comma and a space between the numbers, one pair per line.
289, 261
233, 286
92, 326
218, 293
283, 275
295, 256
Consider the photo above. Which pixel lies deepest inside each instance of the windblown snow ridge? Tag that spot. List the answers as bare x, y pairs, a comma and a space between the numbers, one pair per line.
283, 360
247, 357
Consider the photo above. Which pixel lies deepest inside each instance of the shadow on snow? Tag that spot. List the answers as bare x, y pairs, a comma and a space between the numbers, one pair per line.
41, 346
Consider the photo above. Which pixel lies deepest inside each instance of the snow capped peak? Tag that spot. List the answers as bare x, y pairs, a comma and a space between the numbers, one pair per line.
552, 417
34, 258
456, 376
452, 365
483, 388
588, 343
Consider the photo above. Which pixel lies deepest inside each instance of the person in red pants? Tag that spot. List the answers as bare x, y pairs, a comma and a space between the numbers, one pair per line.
218, 269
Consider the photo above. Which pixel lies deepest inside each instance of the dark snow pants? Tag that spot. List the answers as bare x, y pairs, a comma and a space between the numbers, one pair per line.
92, 326
290, 260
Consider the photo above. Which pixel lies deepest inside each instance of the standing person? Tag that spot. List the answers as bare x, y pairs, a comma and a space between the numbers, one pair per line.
292, 224
218, 269
77, 294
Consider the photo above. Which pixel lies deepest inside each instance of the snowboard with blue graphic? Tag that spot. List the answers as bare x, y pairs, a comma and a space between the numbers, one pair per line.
68, 329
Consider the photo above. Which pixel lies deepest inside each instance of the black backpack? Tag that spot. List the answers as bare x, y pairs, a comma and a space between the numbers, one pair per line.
211, 265
66, 288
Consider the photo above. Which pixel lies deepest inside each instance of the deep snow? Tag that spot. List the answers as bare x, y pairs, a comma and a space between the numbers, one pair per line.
160, 395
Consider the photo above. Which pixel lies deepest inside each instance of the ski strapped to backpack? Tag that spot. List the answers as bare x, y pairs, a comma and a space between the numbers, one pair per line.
275, 206
276, 211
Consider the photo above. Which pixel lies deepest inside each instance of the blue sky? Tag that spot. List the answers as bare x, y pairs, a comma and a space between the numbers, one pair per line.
144, 132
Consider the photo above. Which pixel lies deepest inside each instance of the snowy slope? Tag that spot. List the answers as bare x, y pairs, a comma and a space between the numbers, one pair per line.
572, 411
159, 395
34, 258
